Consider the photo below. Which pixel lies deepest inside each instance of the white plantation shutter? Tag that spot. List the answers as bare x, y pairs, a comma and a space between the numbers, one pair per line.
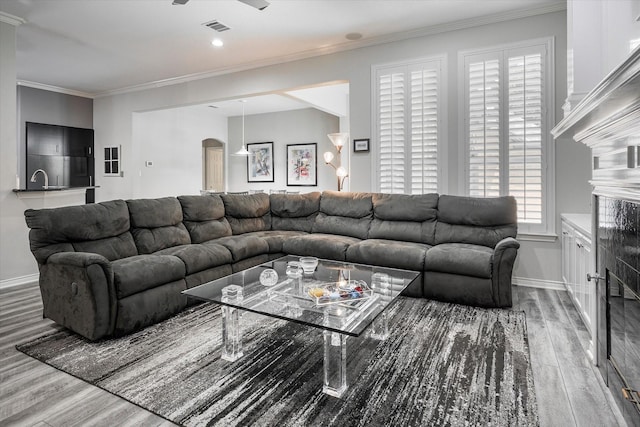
506, 126
484, 128
407, 117
424, 130
525, 135
391, 133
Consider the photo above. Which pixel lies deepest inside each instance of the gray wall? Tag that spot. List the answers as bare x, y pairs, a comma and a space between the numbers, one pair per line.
286, 127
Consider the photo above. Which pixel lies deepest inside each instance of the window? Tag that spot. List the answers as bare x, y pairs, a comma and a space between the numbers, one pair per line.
112, 161
508, 102
407, 115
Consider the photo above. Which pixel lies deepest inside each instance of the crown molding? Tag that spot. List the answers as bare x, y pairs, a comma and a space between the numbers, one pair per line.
342, 47
11, 19
57, 89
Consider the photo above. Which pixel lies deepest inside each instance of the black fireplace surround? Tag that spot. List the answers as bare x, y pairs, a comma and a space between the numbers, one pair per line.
618, 258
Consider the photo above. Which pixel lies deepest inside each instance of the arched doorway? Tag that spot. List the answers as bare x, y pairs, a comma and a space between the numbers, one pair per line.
213, 165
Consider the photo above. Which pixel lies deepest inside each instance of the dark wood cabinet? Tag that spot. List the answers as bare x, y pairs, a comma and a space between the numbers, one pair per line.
45, 140
65, 153
78, 142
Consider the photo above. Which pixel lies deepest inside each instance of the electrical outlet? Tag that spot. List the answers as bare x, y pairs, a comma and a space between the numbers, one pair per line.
149, 163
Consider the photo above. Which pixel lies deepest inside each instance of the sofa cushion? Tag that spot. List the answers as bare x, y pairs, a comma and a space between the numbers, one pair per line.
460, 258
242, 246
111, 248
199, 257
141, 272
276, 238
327, 246
247, 212
345, 214
54, 230
296, 212
389, 253
410, 218
203, 217
480, 221
157, 224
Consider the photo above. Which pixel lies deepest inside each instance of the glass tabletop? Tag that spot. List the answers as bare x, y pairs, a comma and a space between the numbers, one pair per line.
338, 296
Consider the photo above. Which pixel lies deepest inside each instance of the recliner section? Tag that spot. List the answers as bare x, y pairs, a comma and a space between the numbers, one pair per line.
114, 267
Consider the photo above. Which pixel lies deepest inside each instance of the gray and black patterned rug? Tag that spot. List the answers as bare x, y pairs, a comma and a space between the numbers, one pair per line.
443, 364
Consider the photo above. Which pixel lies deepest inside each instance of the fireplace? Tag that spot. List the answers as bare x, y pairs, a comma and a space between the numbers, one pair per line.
624, 338
607, 120
618, 335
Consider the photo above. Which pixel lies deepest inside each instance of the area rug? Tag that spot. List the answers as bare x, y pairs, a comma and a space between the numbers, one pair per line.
443, 364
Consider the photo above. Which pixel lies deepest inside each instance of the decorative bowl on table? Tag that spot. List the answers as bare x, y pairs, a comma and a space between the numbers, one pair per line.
308, 264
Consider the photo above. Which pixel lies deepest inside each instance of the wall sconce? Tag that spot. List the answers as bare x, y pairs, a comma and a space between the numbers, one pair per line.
339, 140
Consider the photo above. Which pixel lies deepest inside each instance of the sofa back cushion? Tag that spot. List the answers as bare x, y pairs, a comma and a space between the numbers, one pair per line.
343, 213
294, 212
203, 216
156, 224
101, 228
410, 218
247, 213
476, 220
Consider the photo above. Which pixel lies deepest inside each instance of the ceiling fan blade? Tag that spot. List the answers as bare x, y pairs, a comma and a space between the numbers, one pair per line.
258, 4
180, 2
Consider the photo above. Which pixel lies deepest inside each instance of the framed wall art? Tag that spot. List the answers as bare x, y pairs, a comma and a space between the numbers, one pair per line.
302, 164
260, 162
360, 145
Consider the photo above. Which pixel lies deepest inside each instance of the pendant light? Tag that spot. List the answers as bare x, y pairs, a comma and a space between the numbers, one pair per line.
243, 151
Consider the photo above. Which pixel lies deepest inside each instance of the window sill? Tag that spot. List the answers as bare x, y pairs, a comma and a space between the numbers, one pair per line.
537, 237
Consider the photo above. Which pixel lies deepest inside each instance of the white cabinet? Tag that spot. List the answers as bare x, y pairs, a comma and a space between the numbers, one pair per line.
577, 262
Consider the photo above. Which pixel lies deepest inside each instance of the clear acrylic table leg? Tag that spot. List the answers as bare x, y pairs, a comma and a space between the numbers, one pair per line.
380, 327
335, 364
381, 283
231, 327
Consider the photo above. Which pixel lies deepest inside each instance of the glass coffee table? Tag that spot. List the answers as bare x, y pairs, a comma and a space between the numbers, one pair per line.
342, 299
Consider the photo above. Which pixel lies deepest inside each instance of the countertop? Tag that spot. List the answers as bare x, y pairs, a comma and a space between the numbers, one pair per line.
52, 188
580, 221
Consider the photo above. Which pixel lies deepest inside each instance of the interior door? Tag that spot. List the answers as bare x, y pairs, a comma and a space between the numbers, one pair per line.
214, 169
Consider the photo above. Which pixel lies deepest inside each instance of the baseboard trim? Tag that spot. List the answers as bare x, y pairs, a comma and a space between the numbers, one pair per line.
17, 281
539, 283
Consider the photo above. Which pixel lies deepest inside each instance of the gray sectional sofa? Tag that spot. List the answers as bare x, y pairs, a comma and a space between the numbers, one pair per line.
113, 267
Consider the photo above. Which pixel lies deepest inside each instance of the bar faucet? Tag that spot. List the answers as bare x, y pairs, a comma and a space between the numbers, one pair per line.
46, 178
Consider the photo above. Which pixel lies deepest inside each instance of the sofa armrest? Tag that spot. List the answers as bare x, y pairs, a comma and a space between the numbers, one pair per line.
504, 256
78, 292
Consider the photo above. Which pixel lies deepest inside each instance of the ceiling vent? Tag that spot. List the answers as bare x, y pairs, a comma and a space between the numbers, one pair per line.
216, 25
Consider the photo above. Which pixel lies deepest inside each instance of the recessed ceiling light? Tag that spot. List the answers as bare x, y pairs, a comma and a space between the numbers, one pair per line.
217, 42
353, 36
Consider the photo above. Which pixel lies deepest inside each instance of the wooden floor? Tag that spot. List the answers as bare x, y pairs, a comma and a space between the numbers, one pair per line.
569, 390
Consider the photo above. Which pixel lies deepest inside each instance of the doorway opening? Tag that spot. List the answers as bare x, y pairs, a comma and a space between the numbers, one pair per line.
213, 166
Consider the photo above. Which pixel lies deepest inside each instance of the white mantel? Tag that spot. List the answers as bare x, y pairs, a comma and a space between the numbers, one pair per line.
608, 121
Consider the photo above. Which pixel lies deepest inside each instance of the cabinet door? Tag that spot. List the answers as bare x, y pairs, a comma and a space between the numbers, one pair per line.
589, 295
78, 142
44, 140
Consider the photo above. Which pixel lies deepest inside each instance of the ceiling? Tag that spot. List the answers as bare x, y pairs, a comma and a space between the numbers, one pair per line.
101, 47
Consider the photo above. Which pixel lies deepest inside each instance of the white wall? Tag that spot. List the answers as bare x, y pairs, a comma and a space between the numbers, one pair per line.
114, 115
288, 127
539, 261
16, 262
172, 140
